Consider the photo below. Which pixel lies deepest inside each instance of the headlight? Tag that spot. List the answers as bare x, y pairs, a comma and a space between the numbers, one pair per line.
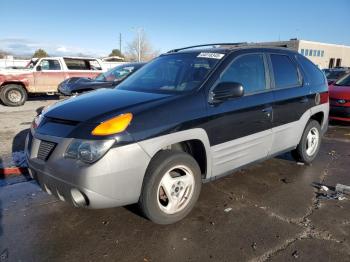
113, 125
88, 151
37, 120
63, 84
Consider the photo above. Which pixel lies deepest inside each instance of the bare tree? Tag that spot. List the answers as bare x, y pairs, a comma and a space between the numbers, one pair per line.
140, 49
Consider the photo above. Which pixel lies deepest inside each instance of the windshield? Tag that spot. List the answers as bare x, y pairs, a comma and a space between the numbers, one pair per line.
116, 73
335, 74
32, 63
172, 73
345, 81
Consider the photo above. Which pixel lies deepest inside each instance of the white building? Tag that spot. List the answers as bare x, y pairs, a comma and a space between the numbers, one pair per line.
322, 54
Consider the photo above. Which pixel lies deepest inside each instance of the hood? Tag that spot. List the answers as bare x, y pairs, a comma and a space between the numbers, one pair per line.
339, 92
74, 80
14, 71
100, 105
75, 84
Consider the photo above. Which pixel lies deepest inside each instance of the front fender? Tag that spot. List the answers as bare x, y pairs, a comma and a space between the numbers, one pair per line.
153, 145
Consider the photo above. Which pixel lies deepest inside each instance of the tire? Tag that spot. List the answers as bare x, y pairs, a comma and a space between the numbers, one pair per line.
13, 95
304, 152
183, 185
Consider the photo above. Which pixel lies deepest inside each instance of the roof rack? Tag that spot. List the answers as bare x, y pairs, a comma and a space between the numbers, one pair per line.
213, 45
269, 45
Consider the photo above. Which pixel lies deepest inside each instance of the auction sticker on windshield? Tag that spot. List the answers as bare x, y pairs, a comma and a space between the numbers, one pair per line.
211, 55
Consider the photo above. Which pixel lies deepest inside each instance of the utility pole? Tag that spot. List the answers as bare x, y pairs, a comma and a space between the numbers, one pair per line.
139, 44
120, 42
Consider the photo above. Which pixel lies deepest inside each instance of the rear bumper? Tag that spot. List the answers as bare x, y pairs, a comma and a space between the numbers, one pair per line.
115, 180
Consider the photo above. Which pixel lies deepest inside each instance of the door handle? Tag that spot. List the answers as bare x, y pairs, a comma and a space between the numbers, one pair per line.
304, 100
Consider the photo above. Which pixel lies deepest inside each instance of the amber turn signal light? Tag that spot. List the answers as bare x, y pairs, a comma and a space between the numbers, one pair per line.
113, 126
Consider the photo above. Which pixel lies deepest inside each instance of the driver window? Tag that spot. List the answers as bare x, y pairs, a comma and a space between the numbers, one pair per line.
50, 65
249, 70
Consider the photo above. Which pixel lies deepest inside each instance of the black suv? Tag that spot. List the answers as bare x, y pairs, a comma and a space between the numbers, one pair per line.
190, 115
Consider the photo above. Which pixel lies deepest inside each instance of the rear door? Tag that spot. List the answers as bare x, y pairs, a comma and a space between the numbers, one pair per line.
291, 101
239, 130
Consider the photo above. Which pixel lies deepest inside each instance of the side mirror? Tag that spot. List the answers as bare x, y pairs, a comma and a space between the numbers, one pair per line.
38, 68
226, 90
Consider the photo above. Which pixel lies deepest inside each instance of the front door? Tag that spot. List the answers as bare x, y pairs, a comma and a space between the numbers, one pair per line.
48, 75
239, 130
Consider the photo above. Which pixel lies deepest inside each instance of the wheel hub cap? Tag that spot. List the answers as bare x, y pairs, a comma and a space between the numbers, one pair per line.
312, 141
14, 96
175, 189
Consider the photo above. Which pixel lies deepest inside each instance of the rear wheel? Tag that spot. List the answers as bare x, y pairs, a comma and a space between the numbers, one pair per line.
309, 144
171, 187
13, 95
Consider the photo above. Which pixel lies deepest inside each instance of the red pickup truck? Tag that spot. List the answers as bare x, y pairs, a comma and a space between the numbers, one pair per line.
43, 76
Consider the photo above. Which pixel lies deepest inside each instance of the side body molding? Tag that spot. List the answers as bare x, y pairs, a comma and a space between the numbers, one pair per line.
153, 145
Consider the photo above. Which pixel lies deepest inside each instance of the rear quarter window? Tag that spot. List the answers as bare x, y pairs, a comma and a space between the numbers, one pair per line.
94, 65
76, 64
285, 71
313, 73
82, 64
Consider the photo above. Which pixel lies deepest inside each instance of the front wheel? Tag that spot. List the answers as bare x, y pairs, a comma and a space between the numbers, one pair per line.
171, 187
309, 144
13, 95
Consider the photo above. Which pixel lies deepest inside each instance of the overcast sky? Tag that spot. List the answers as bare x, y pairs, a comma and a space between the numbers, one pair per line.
93, 27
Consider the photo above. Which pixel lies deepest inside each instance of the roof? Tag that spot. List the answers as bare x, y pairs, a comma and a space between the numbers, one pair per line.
71, 57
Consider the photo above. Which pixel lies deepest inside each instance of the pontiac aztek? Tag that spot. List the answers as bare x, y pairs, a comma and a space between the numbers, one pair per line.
189, 116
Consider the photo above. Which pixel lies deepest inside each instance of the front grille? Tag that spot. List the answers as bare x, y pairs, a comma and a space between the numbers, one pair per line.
45, 149
60, 121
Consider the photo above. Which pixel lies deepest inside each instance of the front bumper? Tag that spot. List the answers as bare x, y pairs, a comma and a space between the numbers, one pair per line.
64, 92
339, 112
115, 180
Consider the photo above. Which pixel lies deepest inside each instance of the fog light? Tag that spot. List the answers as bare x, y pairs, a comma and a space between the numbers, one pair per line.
79, 200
